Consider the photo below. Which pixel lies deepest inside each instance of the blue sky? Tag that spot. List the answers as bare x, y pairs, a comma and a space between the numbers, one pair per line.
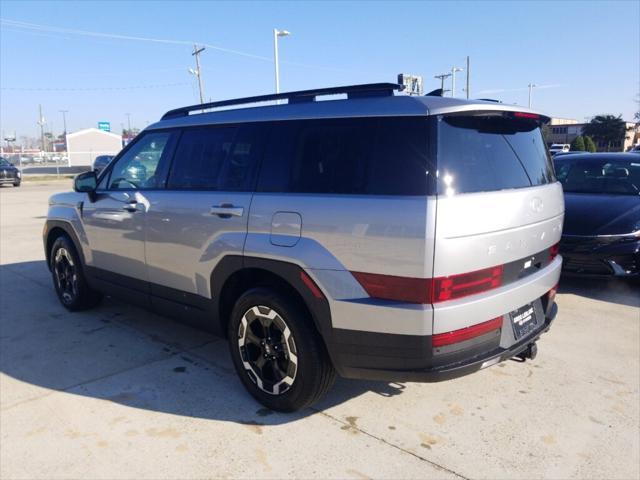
584, 55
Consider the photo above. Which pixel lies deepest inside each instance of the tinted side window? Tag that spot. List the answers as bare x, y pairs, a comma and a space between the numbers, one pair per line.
400, 163
144, 164
217, 158
347, 156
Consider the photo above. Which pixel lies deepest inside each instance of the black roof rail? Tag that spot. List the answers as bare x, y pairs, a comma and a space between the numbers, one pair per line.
352, 91
490, 100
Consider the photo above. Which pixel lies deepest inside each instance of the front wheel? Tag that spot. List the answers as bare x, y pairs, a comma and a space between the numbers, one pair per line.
277, 352
16, 184
68, 279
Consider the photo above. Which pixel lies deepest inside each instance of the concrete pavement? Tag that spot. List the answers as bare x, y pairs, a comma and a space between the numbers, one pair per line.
117, 392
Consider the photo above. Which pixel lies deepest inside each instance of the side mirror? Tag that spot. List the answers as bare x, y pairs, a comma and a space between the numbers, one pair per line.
86, 182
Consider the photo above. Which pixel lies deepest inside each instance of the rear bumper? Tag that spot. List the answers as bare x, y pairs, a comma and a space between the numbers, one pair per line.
418, 351
590, 257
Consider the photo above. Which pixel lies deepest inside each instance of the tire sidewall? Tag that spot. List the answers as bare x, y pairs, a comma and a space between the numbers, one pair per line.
302, 332
79, 301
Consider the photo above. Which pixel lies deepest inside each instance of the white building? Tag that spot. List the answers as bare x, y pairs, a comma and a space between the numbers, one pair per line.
85, 145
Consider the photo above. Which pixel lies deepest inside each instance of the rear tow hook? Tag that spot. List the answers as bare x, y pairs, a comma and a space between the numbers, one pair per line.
528, 353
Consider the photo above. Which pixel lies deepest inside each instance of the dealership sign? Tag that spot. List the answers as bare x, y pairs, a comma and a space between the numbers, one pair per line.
104, 126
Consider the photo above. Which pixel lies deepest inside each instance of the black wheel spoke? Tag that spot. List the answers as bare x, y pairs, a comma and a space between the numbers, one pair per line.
266, 350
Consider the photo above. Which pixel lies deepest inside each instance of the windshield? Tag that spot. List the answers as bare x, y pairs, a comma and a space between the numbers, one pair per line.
488, 153
4, 163
599, 175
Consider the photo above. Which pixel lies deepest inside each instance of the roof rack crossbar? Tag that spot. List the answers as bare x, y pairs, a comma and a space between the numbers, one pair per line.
352, 91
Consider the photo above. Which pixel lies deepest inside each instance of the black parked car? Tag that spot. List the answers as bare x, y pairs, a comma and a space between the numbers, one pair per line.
9, 173
601, 233
101, 161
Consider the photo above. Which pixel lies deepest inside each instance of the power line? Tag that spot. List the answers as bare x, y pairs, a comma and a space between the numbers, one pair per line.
92, 89
61, 30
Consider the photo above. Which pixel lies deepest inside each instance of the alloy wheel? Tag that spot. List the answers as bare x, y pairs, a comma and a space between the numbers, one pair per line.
66, 276
268, 350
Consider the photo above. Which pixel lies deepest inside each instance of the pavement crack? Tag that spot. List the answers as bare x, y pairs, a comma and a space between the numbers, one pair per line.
392, 445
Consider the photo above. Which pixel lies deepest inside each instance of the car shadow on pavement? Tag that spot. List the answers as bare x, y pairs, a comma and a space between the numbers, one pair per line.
616, 290
118, 353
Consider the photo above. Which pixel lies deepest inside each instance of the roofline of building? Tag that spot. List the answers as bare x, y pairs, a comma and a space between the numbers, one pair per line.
92, 129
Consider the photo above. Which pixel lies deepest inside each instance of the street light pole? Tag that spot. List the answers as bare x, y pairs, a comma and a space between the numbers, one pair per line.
531, 87
277, 33
197, 72
453, 79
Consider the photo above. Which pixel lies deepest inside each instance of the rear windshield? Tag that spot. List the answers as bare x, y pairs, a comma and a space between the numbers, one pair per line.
599, 175
488, 153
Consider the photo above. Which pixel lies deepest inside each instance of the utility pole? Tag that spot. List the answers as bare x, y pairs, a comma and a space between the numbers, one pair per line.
468, 76
128, 122
42, 122
531, 87
64, 120
442, 78
197, 72
453, 80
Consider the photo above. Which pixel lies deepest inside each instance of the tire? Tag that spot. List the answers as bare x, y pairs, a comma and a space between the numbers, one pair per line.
301, 373
68, 278
17, 184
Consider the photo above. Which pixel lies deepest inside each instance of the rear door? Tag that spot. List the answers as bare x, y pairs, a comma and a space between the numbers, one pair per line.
202, 214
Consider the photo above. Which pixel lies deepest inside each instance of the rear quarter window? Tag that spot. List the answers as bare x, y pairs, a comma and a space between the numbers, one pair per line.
367, 156
489, 153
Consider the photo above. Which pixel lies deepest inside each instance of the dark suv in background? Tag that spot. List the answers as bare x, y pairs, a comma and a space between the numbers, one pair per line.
9, 174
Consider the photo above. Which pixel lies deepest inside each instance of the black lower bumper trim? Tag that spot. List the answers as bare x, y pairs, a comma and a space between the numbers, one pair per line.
450, 371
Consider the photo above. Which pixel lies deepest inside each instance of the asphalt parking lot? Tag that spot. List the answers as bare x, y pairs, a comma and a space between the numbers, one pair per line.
121, 393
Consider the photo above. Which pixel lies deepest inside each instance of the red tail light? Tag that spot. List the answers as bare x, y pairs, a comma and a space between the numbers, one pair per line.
553, 251
458, 286
429, 290
526, 115
390, 287
457, 336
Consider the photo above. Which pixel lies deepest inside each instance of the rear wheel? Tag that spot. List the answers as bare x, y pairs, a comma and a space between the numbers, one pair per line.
277, 352
68, 279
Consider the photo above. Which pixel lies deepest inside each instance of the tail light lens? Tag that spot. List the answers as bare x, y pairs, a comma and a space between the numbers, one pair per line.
458, 286
457, 336
554, 251
429, 290
390, 287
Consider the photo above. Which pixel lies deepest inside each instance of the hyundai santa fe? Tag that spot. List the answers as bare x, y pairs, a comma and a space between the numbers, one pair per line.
374, 235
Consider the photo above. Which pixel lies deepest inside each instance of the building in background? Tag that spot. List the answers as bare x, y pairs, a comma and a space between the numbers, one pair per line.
565, 130
84, 146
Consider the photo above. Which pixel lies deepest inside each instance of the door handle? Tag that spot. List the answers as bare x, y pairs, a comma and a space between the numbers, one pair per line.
131, 206
226, 211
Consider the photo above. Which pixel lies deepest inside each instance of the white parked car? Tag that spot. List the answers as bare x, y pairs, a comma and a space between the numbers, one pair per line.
559, 147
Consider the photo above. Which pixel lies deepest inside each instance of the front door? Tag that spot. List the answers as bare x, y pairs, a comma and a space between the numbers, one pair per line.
115, 221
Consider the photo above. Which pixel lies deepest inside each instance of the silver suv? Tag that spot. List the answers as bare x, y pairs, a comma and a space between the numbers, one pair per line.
378, 236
